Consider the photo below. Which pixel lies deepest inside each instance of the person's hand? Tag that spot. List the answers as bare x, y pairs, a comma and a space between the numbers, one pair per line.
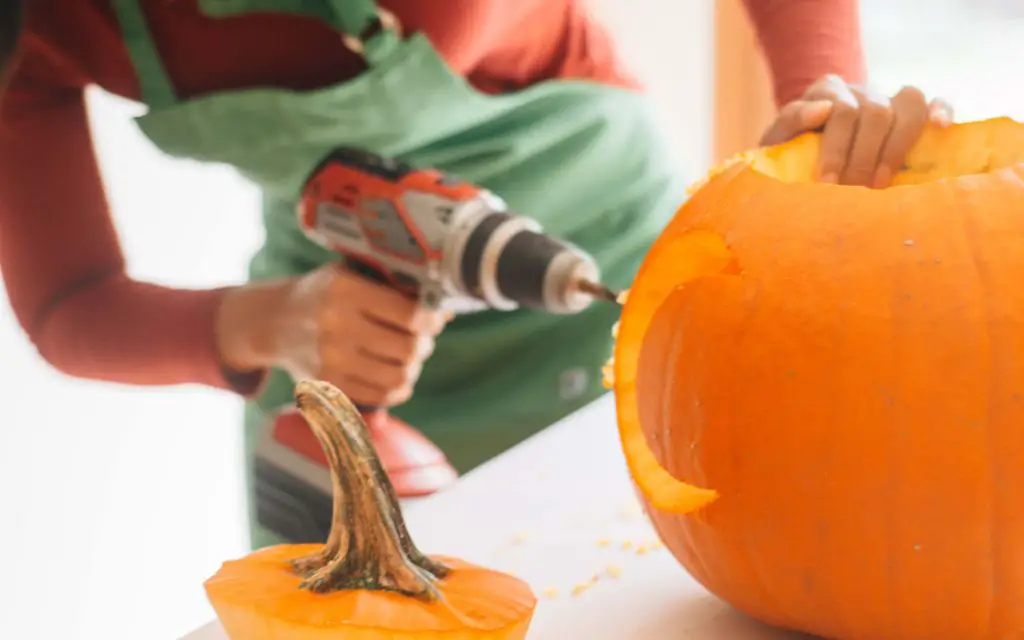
368, 340
865, 135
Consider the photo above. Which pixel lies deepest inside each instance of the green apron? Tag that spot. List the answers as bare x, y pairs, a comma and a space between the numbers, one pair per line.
588, 161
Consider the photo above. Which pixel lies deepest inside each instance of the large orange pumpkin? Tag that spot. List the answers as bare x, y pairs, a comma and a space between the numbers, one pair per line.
820, 390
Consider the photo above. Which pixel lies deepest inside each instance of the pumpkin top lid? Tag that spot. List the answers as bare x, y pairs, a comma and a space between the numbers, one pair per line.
940, 154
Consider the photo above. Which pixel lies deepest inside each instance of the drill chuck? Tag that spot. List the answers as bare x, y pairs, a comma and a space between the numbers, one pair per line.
506, 261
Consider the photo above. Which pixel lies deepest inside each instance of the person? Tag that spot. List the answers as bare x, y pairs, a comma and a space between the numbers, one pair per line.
528, 98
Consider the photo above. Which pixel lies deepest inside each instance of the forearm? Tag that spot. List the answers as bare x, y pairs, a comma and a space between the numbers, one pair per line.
62, 264
806, 39
119, 330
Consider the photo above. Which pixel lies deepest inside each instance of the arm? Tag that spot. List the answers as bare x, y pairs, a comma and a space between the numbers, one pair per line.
804, 40
61, 261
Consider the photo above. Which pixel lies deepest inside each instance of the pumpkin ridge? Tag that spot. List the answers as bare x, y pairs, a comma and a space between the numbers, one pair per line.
984, 278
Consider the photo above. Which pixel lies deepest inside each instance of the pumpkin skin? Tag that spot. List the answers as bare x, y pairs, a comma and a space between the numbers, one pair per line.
820, 390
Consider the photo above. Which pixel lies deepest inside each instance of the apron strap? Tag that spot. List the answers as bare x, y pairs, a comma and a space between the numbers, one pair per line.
368, 30
354, 17
155, 85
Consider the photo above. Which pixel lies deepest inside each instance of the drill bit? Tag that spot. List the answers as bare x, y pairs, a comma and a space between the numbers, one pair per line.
597, 290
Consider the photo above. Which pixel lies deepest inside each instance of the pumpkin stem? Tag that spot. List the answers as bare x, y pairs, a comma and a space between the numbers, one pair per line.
369, 546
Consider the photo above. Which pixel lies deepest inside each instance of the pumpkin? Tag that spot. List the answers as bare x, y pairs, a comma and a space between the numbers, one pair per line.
820, 390
368, 581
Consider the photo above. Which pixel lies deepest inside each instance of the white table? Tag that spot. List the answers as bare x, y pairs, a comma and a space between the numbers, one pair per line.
555, 511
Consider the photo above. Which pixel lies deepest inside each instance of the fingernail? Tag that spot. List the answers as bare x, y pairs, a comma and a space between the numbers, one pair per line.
882, 178
940, 117
828, 178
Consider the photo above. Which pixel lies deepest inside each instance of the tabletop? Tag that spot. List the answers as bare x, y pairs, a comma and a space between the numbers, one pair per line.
559, 511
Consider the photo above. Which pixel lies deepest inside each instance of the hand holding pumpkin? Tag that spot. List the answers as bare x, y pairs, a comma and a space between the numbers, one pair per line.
865, 135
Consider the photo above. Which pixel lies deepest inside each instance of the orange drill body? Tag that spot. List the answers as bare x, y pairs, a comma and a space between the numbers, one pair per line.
389, 220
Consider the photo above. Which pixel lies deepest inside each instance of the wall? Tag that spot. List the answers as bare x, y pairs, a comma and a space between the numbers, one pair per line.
967, 51
670, 45
125, 499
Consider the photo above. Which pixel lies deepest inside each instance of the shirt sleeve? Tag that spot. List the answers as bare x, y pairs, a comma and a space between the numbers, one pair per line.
806, 39
60, 259
587, 50
567, 41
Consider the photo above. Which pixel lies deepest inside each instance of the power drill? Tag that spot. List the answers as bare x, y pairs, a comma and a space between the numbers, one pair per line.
450, 244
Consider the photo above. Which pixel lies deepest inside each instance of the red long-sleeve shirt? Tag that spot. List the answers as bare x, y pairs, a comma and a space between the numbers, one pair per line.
59, 252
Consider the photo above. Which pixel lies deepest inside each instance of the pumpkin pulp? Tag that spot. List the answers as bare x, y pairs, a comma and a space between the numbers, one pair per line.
368, 581
688, 251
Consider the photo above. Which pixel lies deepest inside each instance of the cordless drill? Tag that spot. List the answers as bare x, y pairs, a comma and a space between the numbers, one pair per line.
450, 245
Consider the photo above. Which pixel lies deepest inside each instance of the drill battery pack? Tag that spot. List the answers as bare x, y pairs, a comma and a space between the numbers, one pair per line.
292, 480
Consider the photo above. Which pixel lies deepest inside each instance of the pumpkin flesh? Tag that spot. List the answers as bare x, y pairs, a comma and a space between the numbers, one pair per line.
845, 399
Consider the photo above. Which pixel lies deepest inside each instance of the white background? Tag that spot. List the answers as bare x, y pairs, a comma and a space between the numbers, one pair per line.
118, 502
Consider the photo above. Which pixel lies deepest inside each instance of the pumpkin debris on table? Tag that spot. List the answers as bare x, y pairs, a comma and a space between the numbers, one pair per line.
829, 380
369, 581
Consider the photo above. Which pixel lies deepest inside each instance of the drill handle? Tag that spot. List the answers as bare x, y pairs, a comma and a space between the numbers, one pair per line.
374, 275
363, 269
